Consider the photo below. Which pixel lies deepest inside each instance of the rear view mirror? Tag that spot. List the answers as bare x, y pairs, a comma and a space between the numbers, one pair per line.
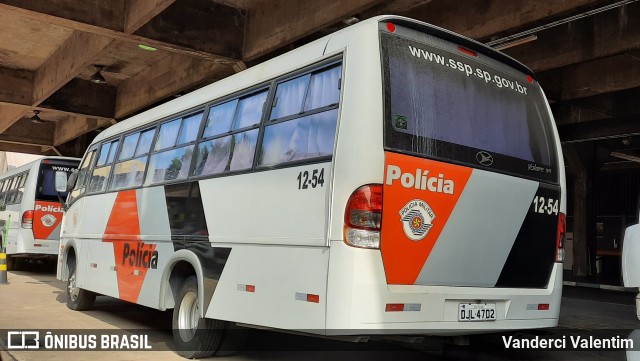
61, 182
73, 177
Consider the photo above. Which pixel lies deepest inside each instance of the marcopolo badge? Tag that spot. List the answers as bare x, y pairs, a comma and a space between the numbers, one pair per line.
417, 217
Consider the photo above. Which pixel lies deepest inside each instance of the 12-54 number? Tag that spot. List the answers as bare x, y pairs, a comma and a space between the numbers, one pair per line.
313, 179
542, 205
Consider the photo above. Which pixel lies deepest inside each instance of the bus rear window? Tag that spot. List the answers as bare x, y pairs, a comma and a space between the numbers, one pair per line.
448, 105
46, 189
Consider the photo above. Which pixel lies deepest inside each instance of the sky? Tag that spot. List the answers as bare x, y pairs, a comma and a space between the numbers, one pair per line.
18, 159
13, 160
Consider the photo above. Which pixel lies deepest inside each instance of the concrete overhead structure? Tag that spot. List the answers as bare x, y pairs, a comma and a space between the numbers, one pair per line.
586, 54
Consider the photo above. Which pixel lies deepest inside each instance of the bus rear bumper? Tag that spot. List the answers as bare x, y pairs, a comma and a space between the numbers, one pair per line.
443, 328
362, 304
35, 248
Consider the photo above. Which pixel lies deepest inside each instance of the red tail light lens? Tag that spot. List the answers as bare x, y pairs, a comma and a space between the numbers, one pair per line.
27, 219
467, 51
391, 27
363, 217
562, 230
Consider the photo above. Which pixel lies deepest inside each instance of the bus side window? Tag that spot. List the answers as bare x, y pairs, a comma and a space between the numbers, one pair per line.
309, 133
11, 193
230, 142
289, 97
174, 149
243, 146
5, 184
100, 175
14, 191
213, 155
132, 160
83, 175
20, 192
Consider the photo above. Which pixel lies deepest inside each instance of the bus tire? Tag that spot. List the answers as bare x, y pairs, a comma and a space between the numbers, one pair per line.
78, 299
194, 337
233, 339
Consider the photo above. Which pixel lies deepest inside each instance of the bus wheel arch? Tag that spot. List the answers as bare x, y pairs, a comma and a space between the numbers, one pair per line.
182, 265
78, 299
182, 289
69, 260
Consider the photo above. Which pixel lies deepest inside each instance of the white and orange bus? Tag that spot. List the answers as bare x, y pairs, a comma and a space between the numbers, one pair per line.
31, 209
390, 178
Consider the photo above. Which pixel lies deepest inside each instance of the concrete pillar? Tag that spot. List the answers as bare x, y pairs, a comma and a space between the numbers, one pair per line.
580, 210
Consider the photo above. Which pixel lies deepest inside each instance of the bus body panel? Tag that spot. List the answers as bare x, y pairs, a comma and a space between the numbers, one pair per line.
88, 217
241, 209
101, 224
286, 287
476, 228
110, 261
269, 253
359, 156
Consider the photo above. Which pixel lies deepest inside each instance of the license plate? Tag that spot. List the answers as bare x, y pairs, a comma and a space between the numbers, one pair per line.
477, 312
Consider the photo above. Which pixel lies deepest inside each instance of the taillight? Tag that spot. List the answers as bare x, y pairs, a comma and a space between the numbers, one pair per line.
363, 216
562, 230
467, 51
27, 219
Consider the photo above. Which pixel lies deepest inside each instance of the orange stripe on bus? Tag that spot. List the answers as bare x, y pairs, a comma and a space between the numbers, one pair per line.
124, 215
424, 191
46, 218
123, 230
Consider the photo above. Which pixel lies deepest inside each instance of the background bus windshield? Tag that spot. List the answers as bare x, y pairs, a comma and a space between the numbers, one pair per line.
46, 190
446, 105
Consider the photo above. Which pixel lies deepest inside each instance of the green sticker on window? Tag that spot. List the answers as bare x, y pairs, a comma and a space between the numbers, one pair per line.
400, 121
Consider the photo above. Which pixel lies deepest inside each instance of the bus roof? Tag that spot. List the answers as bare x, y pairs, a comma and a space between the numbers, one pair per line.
456, 38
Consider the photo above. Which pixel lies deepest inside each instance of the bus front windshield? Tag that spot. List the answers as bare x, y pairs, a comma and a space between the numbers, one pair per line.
46, 189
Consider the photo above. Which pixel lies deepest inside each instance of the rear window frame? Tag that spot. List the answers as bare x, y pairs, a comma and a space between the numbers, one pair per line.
465, 155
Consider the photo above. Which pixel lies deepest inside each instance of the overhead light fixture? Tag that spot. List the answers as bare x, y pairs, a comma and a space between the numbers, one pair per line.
97, 76
146, 47
35, 118
515, 42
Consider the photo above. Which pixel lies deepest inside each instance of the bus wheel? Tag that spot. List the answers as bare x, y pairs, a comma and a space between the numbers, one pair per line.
233, 339
193, 336
77, 298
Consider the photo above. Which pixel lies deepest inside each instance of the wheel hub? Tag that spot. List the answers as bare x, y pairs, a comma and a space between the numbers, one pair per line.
188, 316
73, 289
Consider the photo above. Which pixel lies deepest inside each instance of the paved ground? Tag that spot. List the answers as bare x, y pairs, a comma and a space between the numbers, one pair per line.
34, 299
